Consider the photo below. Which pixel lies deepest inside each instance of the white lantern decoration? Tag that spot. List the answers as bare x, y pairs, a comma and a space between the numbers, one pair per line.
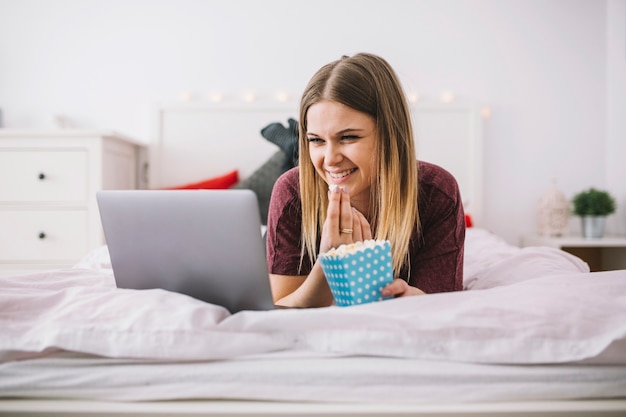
554, 212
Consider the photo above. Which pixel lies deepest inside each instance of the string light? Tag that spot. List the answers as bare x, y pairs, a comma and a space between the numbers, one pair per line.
447, 97
282, 96
186, 96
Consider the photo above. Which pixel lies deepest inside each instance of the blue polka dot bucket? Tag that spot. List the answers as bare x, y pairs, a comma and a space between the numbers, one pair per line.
357, 273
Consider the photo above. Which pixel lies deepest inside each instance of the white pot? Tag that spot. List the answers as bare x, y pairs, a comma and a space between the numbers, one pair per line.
593, 226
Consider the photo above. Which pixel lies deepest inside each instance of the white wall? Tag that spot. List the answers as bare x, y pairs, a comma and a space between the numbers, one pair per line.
616, 110
552, 72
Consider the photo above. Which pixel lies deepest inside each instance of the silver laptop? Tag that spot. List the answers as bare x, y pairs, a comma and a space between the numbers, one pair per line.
203, 243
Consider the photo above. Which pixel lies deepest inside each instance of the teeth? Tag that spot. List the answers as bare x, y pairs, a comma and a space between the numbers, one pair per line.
340, 174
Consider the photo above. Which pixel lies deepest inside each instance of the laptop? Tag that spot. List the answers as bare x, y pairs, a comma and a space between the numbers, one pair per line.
204, 243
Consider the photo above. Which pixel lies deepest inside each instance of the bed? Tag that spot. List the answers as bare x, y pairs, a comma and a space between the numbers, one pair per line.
533, 333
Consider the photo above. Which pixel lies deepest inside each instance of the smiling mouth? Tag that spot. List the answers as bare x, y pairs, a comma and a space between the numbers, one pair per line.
342, 174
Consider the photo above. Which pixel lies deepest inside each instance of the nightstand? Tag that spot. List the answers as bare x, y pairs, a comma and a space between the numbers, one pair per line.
608, 253
49, 217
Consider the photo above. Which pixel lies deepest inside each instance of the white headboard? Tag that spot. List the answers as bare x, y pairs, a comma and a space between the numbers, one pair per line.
450, 135
197, 141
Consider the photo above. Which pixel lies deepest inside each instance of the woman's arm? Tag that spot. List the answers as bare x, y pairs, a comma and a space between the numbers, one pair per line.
301, 291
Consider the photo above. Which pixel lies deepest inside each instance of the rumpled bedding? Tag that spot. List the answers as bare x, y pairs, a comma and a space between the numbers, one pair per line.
520, 306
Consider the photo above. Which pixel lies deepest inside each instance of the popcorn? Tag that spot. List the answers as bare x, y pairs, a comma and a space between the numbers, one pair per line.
357, 272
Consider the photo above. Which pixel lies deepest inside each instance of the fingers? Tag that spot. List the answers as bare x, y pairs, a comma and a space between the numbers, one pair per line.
338, 218
339, 214
344, 224
334, 210
400, 288
396, 288
330, 229
345, 221
357, 233
362, 229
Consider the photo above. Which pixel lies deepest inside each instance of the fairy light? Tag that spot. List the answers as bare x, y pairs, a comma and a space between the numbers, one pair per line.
186, 96
447, 97
282, 96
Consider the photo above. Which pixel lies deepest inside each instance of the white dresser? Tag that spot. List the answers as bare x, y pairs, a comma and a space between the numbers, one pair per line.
48, 180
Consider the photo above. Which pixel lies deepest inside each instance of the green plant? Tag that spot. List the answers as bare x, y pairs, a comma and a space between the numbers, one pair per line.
593, 202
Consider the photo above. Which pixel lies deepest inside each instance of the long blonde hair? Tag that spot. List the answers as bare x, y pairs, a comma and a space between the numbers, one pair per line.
368, 84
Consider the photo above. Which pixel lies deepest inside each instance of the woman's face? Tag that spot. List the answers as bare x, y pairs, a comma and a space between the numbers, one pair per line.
342, 146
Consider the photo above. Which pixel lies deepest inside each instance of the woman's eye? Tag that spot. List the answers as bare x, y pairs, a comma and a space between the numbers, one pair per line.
314, 140
349, 137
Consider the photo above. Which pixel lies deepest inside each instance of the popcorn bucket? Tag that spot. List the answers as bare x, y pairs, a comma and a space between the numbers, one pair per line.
357, 272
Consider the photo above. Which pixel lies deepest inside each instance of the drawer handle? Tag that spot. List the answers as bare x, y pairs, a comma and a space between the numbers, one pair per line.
42, 235
42, 176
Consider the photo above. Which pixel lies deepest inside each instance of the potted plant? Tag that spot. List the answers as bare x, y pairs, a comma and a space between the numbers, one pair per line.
593, 206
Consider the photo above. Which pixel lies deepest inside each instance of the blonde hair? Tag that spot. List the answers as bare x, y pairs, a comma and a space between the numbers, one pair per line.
366, 83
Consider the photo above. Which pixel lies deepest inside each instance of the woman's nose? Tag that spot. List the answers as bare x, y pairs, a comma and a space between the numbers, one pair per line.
333, 154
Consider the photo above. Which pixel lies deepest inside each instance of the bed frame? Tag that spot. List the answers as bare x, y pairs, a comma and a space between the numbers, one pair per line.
65, 408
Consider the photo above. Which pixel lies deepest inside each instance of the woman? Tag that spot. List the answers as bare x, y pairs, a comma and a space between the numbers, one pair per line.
358, 179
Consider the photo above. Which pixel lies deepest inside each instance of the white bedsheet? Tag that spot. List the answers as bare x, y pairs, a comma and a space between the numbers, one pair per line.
533, 324
536, 306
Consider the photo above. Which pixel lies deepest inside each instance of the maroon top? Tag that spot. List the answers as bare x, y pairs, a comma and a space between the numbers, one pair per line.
436, 256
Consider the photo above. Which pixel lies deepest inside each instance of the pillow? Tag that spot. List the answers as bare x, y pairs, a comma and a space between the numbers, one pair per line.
221, 182
286, 138
262, 181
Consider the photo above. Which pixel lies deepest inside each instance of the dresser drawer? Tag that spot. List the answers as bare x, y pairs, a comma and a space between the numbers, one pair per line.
43, 175
43, 235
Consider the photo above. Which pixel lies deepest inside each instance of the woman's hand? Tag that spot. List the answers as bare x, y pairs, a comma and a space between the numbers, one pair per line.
344, 224
360, 227
400, 288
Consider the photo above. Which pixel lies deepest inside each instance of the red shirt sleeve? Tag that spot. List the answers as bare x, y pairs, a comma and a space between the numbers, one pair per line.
436, 261
284, 222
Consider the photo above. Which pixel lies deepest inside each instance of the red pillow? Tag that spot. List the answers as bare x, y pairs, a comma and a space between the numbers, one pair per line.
468, 220
216, 183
